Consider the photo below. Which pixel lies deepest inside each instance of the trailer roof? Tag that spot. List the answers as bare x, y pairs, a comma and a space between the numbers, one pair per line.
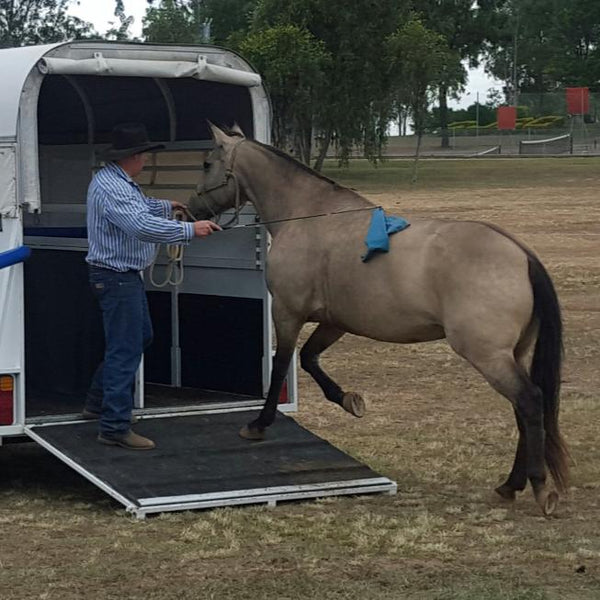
15, 65
113, 58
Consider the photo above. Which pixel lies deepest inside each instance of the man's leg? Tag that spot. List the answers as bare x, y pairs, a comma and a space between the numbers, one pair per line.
121, 297
93, 398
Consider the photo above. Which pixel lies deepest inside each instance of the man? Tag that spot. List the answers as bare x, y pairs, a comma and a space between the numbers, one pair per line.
124, 227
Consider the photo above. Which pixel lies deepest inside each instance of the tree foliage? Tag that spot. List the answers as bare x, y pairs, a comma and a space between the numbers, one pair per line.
28, 22
354, 106
293, 63
121, 31
465, 27
419, 61
227, 18
171, 21
194, 21
540, 46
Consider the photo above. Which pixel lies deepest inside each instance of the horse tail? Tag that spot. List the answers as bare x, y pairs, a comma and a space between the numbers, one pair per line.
546, 367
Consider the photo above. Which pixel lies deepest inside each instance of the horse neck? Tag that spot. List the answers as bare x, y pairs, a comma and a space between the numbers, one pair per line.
281, 189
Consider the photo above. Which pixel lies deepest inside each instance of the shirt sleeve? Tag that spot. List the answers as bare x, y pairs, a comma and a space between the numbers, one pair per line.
159, 208
128, 210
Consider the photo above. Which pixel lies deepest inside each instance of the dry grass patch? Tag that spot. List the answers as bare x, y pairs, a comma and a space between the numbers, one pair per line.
432, 425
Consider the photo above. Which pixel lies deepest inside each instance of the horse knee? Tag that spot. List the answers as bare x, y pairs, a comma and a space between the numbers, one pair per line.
308, 360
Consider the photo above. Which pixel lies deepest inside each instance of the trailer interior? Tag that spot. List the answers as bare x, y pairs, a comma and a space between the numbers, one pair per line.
222, 295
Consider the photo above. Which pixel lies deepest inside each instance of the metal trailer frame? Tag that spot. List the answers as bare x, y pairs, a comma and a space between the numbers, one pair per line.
24, 72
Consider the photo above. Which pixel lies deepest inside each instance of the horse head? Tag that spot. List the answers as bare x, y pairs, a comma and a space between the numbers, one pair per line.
218, 188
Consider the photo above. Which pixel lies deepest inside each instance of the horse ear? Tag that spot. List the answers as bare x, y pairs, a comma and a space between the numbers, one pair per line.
220, 137
237, 129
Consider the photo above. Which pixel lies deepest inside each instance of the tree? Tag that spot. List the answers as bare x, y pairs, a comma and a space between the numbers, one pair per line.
197, 21
419, 60
293, 64
576, 41
122, 31
540, 46
172, 21
465, 25
227, 18
28, 22
355, 105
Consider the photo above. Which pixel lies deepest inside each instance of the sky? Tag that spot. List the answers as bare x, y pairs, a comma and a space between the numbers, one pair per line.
101, 13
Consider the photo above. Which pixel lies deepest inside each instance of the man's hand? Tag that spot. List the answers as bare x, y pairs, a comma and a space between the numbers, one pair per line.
204, 228
175, 205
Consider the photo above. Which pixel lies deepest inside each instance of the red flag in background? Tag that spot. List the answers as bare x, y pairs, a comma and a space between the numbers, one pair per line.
578, 101
507, 117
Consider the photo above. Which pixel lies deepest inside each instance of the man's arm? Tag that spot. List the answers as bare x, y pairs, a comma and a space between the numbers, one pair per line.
132, 214
160, 208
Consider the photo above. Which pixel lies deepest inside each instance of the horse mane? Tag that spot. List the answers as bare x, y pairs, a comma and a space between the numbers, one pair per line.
291, 160
297, 163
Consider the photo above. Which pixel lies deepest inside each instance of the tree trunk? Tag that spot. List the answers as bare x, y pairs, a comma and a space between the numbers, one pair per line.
305, 134
443, 97
416, 161
323, 147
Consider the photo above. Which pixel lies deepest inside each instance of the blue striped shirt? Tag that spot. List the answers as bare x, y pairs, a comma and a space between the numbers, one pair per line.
124, 225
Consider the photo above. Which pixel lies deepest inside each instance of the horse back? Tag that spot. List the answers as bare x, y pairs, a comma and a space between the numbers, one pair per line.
434, 272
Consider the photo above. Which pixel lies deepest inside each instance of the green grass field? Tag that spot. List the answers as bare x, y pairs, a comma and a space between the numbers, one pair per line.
432, 425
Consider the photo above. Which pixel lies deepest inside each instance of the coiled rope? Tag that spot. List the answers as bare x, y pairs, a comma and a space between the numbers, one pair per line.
174, 252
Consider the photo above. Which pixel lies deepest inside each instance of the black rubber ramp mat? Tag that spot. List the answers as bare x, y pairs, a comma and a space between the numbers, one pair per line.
203, 454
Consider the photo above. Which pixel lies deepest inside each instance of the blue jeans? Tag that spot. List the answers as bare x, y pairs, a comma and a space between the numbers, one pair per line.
127, 332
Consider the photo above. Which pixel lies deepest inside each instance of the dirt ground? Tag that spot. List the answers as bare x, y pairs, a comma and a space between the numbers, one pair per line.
433, 425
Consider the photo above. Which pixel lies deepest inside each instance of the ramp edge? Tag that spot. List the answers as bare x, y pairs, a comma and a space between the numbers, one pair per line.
384, 485
79, 469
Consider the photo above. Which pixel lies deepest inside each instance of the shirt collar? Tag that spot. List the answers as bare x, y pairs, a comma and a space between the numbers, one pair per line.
120, 172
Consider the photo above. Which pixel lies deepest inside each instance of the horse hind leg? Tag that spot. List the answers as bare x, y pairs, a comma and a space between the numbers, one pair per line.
323, 337
517, 479
510, 379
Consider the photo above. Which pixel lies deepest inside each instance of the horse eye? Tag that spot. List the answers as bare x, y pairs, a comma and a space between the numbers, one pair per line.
206, 165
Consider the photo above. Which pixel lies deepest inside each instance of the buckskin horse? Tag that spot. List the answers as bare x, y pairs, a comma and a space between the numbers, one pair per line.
468, 281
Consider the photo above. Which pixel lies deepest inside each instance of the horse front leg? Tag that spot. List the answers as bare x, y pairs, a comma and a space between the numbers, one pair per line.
287, 329
323, 337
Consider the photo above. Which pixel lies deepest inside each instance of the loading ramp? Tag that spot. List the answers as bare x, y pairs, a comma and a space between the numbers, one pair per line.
201, 462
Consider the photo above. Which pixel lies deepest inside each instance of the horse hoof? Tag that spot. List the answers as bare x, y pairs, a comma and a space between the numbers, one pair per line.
250, 433
354, 404
506, 492
548, 501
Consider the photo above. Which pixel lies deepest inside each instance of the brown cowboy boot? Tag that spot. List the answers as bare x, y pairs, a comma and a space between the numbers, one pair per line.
129, 440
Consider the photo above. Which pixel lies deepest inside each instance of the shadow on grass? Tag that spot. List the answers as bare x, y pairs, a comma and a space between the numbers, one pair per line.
30, 470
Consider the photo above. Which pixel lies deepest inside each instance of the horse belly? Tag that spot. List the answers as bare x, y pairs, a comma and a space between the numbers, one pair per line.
380, 323
385, 301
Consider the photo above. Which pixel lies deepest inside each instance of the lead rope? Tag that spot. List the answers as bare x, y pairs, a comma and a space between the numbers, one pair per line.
174, 252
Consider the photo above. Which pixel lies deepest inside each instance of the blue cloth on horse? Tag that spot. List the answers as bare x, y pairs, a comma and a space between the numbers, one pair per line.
381, 227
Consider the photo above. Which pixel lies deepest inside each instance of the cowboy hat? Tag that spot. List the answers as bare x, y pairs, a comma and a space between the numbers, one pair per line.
128, 139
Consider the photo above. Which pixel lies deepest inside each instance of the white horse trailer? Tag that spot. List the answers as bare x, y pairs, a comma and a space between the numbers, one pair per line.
58, 106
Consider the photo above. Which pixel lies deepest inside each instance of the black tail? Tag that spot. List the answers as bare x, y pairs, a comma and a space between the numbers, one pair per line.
546, 367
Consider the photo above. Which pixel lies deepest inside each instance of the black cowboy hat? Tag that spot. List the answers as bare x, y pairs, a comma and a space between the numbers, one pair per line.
128, 139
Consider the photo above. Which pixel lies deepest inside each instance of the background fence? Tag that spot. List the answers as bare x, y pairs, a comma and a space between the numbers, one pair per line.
540, 117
